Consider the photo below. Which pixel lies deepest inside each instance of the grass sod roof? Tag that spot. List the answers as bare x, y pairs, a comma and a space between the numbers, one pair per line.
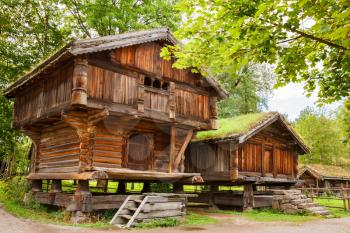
326, 171
243, 127
234, 126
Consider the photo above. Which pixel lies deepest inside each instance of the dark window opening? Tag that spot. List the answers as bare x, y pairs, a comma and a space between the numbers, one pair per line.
156, 83
165, 86
147, 81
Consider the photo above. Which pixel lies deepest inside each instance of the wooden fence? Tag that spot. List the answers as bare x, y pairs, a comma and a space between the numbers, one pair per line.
341, 193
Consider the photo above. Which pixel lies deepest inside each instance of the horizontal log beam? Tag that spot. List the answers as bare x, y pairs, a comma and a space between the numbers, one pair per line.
68, 176
129, 174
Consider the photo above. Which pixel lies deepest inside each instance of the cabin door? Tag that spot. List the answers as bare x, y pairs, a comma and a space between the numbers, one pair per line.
139, 152
268, 161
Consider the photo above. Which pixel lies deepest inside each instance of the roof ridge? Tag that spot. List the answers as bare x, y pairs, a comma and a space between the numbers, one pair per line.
123, 35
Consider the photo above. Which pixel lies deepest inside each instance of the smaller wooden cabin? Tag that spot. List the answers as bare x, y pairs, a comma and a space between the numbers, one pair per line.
259, 148
324, 176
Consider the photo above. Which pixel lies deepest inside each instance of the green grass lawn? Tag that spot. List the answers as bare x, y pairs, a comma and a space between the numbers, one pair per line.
329, 202
335, 206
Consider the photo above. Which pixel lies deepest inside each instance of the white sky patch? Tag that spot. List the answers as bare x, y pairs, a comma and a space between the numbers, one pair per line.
291, 100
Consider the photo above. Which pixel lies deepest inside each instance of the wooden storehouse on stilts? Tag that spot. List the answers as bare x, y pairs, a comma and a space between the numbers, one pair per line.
258, 149
324, 176
110, 108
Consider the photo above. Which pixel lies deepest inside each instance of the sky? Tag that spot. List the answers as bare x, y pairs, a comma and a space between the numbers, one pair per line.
291, 100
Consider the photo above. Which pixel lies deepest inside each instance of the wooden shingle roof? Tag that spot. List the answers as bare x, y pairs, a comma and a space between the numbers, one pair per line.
99, 44
324, 172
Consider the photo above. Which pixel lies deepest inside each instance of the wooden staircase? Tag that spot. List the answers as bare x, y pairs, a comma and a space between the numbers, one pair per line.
128, 211
138, 208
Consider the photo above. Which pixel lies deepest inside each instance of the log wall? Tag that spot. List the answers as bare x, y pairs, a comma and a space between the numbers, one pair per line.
147, 57
59, 149
112, 87
42, 98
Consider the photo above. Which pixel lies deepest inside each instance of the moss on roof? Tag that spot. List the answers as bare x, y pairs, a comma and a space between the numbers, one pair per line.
329, 170
233, 126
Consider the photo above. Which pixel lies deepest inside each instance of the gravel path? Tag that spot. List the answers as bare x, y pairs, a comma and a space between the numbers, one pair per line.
11, 224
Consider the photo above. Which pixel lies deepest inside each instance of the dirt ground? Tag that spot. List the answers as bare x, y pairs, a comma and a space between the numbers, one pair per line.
229, 224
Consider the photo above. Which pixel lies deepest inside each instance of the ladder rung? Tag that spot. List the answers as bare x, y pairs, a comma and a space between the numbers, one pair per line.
132, 208
126, 216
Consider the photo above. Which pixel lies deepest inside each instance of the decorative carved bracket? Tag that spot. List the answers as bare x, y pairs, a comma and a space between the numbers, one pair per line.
84, 123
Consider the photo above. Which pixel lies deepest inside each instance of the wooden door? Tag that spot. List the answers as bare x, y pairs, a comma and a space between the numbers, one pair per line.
139, 152
268, 162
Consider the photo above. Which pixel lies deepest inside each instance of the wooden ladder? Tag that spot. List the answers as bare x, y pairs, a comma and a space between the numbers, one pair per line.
128, 211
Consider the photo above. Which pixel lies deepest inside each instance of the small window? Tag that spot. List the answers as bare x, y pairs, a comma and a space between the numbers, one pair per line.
156, 83
165, 86
147, 81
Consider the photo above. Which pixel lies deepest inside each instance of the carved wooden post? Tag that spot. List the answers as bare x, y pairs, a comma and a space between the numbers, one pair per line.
37, 185
213, 112
234, 153
178, 188
172, 101
83, 197
248, 197
56, 186
121, 187
146, 187
172, 148
80, 73
141, 94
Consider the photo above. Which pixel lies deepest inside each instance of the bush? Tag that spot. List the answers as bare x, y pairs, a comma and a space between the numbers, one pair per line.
16, 188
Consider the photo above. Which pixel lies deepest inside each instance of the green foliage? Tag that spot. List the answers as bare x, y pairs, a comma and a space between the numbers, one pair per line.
323, 134
248, 90
161, 187
30, 31
109, 17
344, 121
16, 188
230, 126
167, 222
309, 40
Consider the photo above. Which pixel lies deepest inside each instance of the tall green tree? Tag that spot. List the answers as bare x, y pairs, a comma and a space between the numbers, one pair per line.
324, 135
308, 40
249, 90
29, 31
